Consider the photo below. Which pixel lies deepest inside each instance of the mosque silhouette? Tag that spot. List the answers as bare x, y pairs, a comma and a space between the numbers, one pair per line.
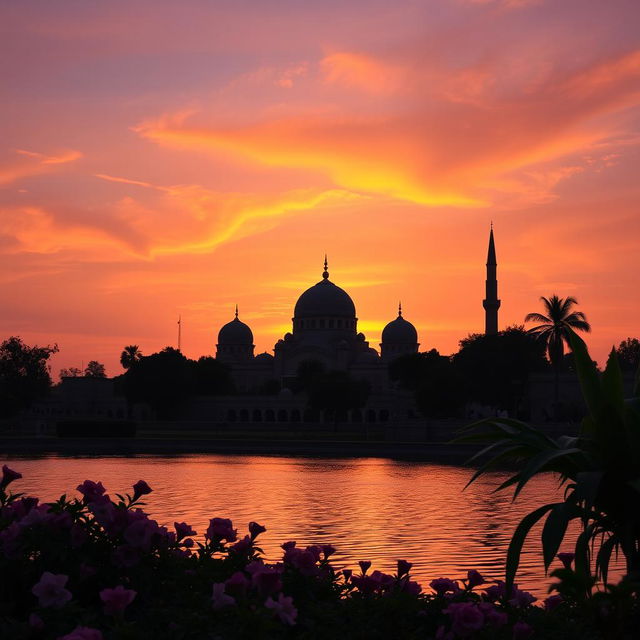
325, 330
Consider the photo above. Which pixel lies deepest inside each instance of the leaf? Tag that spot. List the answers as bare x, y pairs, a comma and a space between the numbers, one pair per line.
555, 528
612, 384
587, 485
587, 374
604, 556
538, 463
517, 540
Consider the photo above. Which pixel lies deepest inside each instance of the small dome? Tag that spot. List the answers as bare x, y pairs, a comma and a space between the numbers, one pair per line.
399, 331
264, 357
235, 333
324, 299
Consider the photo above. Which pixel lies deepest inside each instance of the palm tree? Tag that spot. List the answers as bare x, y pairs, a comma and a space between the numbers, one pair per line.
555, 329
130, 355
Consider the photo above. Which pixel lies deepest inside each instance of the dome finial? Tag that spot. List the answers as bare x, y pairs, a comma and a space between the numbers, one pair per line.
325, 273
236, 311
399, 309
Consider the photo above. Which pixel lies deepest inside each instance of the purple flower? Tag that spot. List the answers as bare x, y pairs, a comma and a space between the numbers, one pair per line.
183, 529
50, 590
496, 591
116, 600
444, 585
237, 584
287, 546
328, 550
83, 633
242, 546
8, 476
552, 602
403, 568
266, 580
347, 574
139, 534
522, 631
91, 490
125, 556
566, 559
221, 529
411, 587
141, 488
474, 578
256, 529
492, 615
36, 622
520, 598
283, 608
219, 598
466, 618
364, 566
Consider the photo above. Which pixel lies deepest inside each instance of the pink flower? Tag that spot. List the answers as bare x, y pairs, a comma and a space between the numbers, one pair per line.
116, 600
520, 598
83, 633
50, 590
364, 566
221, 529
492, 615
125, 556
411, 587
496, 591
139, 534
141, 488
237, 584
242, 546
474, 578
266, 580
283, 608
183, 529
552, 602
91, 490
256, 529
522, 631
303, 561
444, 585
287, 546
403, 568
466, 618
328, 550
566, 559
220, 598
8, 476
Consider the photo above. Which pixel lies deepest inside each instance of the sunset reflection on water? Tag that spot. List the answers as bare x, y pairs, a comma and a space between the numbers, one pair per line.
368, 508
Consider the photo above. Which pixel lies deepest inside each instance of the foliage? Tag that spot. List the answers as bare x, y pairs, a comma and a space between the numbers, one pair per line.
130, 356
628, 352
94, 369
433, 379
600, 470
211, 377
97, 568
495, 368
71, 372
24, 375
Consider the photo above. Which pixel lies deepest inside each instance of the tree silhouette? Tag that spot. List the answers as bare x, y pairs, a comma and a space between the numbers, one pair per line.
71, 372
130, 355
555, 329
94, 369
629, 354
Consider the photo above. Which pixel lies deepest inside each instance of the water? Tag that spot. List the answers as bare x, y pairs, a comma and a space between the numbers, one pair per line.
368, 508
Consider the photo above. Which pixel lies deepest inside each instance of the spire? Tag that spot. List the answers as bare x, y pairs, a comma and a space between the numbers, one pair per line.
399, 309
236, 311
491, 254
325, 273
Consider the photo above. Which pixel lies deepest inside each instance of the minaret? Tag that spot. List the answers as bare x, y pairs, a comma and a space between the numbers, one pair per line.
491, 303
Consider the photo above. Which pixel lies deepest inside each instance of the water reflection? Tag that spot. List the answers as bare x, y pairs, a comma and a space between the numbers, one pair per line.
368, 508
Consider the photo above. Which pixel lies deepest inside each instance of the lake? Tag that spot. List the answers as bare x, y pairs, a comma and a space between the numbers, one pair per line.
369, 508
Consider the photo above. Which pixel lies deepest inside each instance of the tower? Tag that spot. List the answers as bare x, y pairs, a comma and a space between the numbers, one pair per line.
491, 303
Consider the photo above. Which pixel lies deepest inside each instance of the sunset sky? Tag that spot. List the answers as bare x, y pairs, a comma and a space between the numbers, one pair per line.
163, 158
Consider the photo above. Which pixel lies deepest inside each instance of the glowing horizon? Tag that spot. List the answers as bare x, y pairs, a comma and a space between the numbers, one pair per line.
162, 161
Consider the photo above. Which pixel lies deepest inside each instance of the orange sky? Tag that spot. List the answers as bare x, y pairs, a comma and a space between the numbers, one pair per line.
161, 158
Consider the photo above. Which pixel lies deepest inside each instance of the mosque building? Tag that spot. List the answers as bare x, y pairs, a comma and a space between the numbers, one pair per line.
325, 329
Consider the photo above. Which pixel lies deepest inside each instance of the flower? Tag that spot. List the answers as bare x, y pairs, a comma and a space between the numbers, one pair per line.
266, 580
83, 633
520, 598
221, 529
474, 578
522, 631
552, 602
466, 618
287, 546
36, 622
220, 598
237, 584
50, 590
8, 476
444, 585
403, 567
125, 556
141, 488
242, 546
411, 587
328, 550
347, 574
364, 566
91, 490
492, 615
183, 529
256, 529
116, 600
566, 559
283, 608
139, 534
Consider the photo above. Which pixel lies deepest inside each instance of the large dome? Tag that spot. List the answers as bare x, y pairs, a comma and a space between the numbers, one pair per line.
235, 333
399, 331
325, 299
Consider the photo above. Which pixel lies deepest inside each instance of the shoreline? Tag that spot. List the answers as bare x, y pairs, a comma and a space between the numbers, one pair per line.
418, 451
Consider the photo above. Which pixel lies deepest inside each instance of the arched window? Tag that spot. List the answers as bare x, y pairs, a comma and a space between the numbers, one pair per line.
282, 416
269, 415
295, 415
257, 415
